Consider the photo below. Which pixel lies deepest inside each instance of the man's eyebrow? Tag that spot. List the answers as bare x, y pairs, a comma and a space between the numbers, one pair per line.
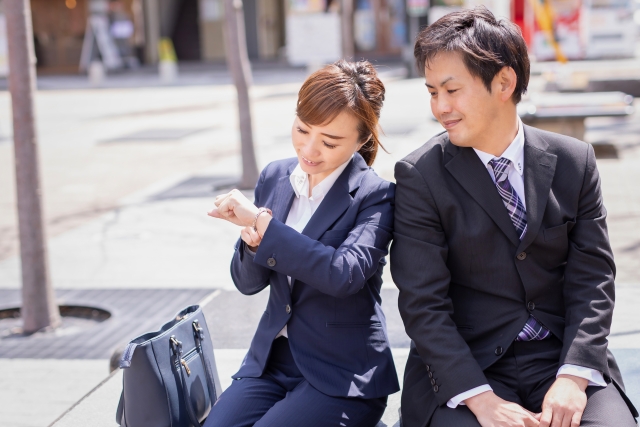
333, 136
441, 84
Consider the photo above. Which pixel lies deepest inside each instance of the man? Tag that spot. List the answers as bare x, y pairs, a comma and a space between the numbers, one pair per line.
501, 251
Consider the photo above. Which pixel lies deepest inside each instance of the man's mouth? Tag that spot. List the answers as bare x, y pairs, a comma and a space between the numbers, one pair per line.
448, 124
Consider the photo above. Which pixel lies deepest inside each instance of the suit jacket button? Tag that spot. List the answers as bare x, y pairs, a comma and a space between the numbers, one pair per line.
271, 262
522, 256
435, 388
430, 374
428, 367
531, 306
433, 382
498, 351
287, 309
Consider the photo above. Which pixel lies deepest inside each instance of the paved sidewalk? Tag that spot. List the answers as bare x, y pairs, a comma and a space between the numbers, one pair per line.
131, 214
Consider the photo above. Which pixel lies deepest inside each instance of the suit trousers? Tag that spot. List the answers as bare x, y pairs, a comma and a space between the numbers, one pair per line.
282, 397
524, 375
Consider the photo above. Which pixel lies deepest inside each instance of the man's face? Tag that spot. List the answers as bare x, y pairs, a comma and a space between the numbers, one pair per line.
460, 101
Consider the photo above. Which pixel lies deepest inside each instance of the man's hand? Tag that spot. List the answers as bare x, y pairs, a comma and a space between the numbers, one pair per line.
564, 403
492, 411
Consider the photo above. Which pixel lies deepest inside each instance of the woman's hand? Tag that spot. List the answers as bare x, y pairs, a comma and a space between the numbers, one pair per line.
251, 238
235, 208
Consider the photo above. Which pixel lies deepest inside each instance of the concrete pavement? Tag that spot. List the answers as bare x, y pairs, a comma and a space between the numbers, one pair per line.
131, 213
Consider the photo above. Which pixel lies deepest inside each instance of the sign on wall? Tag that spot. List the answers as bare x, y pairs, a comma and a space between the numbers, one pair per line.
313, 38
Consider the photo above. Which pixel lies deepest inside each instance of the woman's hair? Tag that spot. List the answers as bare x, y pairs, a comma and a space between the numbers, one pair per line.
353, 87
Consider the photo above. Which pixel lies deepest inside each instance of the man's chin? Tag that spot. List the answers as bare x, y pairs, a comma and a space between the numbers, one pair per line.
457, 140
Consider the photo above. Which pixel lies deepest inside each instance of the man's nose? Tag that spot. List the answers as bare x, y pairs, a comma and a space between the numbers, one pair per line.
440, 106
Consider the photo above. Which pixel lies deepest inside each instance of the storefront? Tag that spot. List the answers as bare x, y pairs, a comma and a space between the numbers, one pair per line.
577, 29
380, 27
58, 33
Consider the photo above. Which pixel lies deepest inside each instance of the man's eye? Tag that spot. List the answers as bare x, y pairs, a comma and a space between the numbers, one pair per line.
329, 145
452, 90
433, 94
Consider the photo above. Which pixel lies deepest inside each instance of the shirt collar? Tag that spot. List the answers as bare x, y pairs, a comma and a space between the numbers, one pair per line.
514, 152
300, 182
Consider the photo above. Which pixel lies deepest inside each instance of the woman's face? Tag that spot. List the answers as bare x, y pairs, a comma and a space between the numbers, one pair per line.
322, 148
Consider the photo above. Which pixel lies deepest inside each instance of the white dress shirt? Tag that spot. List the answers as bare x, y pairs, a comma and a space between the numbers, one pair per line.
515, 153
304, 206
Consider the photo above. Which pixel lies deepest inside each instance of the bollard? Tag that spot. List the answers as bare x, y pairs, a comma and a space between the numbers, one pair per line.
96, 73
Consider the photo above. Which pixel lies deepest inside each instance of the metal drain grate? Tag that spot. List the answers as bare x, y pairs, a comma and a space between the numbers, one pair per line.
133, 312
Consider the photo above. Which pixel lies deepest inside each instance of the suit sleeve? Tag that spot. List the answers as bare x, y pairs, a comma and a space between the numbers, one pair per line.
249, 277
337, 272
419, 270
589, 279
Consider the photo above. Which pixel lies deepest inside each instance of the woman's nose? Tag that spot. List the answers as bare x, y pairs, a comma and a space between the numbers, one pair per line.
311, 146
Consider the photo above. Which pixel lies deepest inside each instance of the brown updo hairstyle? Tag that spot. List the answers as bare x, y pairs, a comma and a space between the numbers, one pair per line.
345, 86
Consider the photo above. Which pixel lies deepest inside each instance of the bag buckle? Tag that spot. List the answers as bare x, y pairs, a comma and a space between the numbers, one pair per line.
199, 332
176, 345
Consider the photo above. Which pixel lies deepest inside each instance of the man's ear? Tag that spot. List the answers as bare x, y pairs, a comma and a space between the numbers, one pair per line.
506, 81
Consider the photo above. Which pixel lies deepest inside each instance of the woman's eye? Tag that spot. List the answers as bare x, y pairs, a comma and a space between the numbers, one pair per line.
329, 145
302, 131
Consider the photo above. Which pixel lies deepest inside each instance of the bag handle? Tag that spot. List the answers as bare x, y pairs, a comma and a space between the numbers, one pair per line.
199, 335
177, 349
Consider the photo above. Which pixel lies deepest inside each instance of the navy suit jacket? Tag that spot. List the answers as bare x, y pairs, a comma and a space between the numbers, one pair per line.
336, 327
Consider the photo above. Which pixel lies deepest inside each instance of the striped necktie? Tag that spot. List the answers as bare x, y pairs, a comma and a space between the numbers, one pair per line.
533, 329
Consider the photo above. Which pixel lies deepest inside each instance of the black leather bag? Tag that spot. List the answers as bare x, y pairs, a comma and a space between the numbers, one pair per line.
170, 377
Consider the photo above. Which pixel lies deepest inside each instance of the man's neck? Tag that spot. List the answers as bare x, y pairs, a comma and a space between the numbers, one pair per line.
503, 131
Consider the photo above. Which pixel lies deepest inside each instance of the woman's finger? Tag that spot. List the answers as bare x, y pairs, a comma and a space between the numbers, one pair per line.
221, 198
255, 237
247, 237
215, 213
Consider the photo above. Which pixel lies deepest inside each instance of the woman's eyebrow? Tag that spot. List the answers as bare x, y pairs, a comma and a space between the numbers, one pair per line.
333, 136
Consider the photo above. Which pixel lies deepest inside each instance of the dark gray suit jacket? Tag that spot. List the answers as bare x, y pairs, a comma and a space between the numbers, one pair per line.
468, 284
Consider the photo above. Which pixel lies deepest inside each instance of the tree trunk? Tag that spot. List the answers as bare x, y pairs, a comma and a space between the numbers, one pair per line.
348, 43
238, 62
39, 309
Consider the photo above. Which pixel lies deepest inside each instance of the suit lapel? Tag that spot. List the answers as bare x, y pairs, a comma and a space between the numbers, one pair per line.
337, 200
283, 198
467, 168
539, 169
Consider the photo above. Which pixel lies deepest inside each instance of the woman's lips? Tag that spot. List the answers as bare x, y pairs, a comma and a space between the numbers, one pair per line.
309, 162
448, 124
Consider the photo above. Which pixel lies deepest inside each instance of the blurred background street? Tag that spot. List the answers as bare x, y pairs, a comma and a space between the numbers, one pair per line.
132, 155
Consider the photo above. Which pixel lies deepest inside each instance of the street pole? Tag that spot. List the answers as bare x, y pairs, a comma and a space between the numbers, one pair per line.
348, 43
238, 62
39, 309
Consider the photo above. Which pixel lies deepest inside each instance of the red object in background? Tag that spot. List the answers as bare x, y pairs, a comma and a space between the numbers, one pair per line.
518, 17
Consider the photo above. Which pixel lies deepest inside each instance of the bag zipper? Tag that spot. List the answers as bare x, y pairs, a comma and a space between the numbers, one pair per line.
190, 355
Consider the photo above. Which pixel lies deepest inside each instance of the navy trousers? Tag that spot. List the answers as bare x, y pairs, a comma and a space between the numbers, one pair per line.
524, 375
282, 397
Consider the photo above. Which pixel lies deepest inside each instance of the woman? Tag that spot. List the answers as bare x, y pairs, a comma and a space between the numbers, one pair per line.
317, 234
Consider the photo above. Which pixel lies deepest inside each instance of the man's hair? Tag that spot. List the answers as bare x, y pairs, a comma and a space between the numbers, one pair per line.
485, 43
